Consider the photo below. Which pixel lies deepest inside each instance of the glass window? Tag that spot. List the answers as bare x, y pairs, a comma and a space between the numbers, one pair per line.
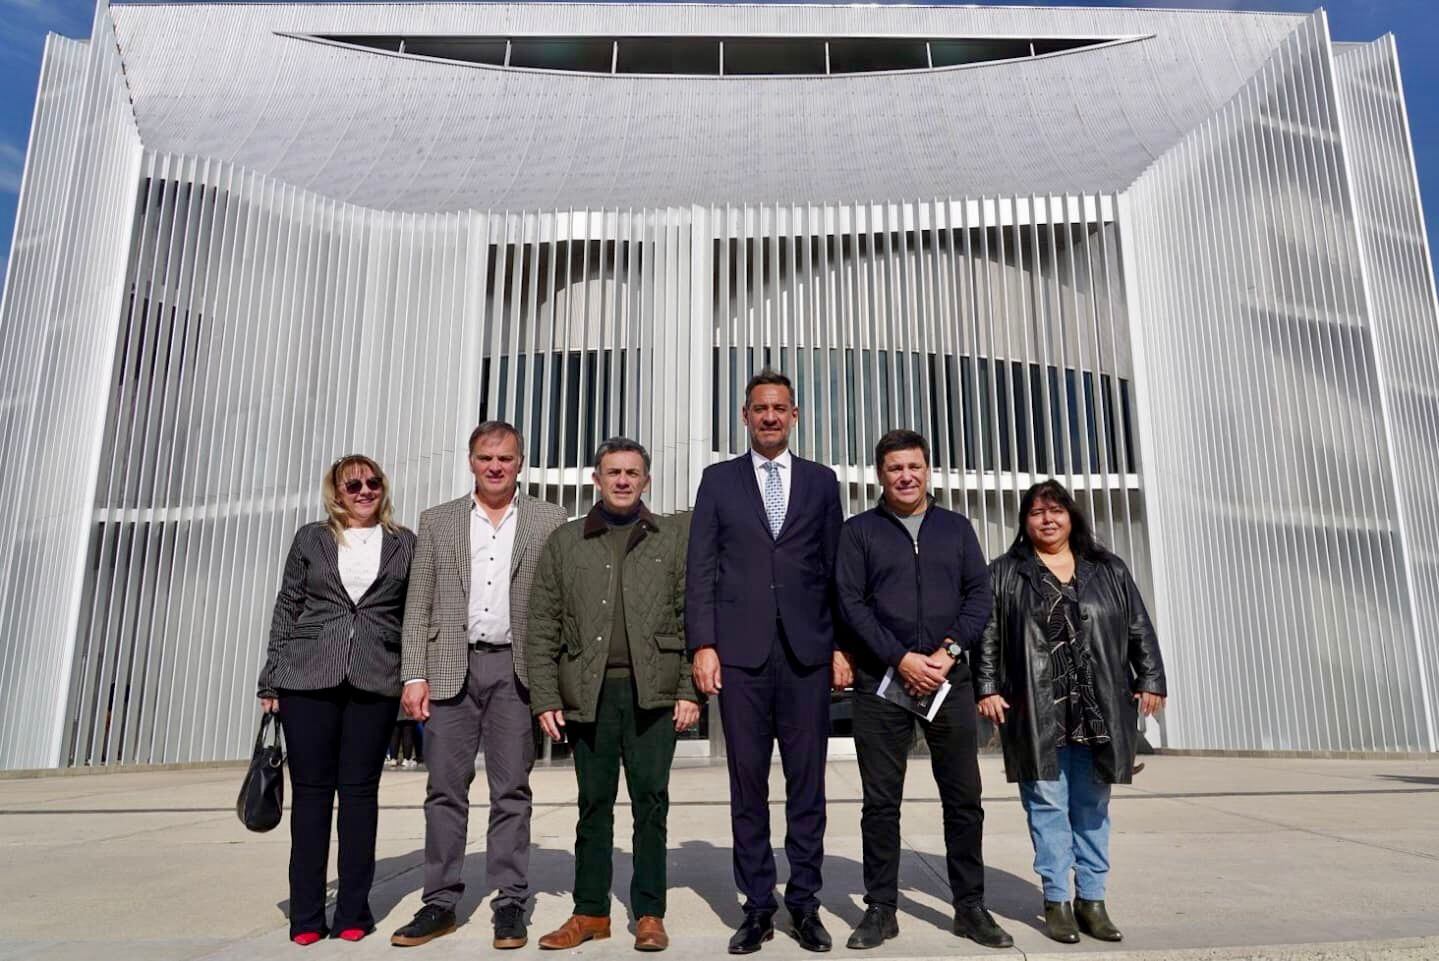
669, 55
757, 56
580, 55
489, 50
709, 56
871, 54
951, 53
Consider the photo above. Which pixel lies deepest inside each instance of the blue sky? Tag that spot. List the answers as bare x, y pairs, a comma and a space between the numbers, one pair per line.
24, 24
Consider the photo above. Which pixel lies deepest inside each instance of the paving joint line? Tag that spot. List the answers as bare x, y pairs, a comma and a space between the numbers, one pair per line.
1193, 801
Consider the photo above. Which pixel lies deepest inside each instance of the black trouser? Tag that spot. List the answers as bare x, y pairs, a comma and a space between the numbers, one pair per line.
335, 740
883, 733
783, 702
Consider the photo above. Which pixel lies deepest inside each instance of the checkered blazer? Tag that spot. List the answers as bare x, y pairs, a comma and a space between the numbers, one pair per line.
435, 639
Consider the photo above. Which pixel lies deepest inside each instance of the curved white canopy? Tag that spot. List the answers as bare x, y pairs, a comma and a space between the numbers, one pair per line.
231, 82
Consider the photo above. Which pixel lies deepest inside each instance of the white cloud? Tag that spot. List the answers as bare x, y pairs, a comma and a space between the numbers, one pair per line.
12, 164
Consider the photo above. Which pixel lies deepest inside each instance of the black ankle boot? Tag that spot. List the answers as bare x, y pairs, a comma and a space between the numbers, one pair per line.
1094, 921
1059, 922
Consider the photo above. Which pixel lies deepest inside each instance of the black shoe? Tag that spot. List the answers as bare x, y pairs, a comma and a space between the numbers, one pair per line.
809, 932
878, 926
510, 927
1094, 921
758, 927
978, 925
1059, 922
430, 922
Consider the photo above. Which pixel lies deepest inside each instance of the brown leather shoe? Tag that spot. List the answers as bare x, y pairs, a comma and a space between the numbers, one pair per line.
575, 932
650, 934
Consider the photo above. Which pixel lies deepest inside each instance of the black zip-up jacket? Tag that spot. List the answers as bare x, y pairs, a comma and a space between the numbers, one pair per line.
898, 596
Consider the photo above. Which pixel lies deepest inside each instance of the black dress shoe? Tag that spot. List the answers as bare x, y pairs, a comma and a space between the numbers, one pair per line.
808, 931
1059, 922
510, 927
979, 926
756, 929
878, 926
1094, 921
430, 922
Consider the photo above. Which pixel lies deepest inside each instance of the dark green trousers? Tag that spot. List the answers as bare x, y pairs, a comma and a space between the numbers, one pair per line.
644, 741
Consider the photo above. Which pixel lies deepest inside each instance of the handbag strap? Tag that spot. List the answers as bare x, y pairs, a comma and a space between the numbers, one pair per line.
268, 722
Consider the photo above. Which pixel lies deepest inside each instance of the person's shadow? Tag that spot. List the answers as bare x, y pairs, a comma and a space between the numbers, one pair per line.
706, 869
552, 872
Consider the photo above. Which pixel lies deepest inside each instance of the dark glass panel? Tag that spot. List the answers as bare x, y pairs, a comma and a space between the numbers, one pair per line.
871, 54
951, 53
1061, 44
466, 49
759, 56
578, 55
670, 55
391, 44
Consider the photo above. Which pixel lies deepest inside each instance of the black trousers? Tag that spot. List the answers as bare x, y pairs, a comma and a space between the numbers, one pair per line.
883, 733
335, 739
782, 702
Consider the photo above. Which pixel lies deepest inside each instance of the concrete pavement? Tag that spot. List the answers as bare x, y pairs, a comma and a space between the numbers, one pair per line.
1213, 857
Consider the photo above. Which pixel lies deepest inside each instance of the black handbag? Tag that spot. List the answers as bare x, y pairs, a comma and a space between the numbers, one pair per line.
262, 795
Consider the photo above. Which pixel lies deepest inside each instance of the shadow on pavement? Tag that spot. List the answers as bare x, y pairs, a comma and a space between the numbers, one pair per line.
706, 869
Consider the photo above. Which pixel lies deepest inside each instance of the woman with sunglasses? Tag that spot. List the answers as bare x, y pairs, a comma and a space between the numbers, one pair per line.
333, 675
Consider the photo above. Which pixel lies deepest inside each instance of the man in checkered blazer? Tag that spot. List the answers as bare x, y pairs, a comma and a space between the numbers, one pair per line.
463, 661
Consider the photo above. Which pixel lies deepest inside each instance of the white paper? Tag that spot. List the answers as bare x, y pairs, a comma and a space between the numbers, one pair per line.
892, 690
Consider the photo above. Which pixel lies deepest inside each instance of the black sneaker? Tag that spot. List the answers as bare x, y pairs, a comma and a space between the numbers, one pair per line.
430, 922
510, 927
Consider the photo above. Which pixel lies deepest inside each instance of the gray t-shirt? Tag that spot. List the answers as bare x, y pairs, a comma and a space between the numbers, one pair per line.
911, 524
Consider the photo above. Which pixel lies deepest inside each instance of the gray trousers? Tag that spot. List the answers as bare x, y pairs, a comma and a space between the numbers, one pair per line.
491, 711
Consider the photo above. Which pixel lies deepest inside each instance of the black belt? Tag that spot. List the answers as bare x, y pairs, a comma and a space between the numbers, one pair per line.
486, 646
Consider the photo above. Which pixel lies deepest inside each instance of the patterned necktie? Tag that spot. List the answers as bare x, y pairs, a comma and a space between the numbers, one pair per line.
773, 498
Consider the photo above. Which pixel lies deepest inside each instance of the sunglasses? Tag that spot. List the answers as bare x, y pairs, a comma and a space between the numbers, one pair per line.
355, 486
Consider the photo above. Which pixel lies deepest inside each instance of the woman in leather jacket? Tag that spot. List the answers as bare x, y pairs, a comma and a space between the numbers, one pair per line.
1067, 662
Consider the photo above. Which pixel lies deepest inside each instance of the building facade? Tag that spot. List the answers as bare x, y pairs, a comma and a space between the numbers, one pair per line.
1174, 258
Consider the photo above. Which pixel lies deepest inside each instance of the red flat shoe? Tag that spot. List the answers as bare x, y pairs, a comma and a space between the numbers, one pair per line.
352, 934
305, 938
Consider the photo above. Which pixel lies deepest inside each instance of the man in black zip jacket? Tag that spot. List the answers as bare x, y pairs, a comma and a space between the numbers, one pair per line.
914, 591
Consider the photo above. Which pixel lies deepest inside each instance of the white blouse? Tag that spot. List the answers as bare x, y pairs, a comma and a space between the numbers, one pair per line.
359, 559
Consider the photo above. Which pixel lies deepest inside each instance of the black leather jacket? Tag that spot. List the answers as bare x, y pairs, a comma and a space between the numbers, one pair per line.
1013, 660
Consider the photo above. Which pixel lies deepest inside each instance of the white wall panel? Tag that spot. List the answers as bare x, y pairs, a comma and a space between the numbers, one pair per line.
1279, 555
1399, 275
58, 327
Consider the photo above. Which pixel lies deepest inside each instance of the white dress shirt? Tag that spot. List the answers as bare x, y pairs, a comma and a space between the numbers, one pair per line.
490, 548
359, 559
761, 475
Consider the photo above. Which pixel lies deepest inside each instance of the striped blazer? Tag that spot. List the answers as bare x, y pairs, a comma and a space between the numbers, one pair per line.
437, 611
319, 637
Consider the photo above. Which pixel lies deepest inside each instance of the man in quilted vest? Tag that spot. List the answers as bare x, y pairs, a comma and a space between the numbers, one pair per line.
608, 669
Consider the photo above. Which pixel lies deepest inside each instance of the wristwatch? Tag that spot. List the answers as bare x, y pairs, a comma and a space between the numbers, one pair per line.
953, 650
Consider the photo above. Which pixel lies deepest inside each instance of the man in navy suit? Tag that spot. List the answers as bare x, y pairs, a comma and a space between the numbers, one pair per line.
759, 619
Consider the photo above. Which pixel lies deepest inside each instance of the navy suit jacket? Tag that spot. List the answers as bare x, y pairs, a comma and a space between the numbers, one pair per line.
740, 581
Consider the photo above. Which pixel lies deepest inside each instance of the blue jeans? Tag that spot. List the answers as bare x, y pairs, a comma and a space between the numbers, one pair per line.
1069, 825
